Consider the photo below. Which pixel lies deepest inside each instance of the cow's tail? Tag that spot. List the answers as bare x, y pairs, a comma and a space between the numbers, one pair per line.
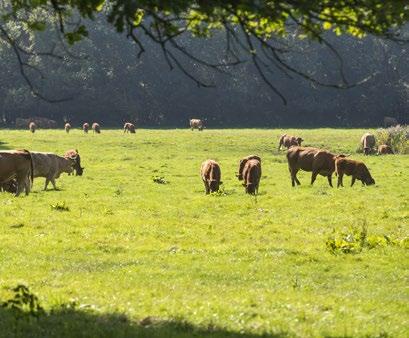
31, 167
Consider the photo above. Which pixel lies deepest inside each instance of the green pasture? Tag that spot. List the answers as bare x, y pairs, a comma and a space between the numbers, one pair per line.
114, 254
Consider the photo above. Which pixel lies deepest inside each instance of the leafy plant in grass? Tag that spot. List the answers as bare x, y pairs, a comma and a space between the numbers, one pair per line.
24, 302
159, 180
60, 206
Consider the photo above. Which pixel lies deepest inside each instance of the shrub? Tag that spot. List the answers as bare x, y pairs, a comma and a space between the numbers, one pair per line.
396, 137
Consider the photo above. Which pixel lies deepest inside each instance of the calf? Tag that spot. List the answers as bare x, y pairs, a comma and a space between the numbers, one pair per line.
356, 169
368, 143
196, 124
32, 127
96, 128
85, 127
251, 176
73, 154
311, 159
67, 127
384, 149
17, 166
289, 141
243, 162
211, 175
51, 166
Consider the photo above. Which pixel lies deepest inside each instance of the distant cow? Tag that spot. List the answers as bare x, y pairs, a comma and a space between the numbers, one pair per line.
389, 122
129, 128
96, 128
32, 127
243, 162
384, 149
196, 124
67, 127
73, 154
311, 159
18, 165
51, 166
211, 175
41, 122
252, 175
368, 143
85, 127
289, 141
356, 169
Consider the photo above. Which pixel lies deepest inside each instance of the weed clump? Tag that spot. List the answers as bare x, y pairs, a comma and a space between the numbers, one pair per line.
396, 137
159, 180
60, 206
23, 302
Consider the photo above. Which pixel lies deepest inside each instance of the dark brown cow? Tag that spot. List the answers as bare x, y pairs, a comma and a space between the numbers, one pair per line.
384, 149
85, 127
289, 141
356, 169
129, 128
251, 176
311, 159
18, 165
368, 143
211, 174
73, 154
32, 127
67, 127
96, 128
243, 162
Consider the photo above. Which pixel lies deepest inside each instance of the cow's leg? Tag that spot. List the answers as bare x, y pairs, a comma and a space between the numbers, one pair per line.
340, 183
330, 180
353, 180
53, 183
207, 188
27, 185
46, 183
314, 176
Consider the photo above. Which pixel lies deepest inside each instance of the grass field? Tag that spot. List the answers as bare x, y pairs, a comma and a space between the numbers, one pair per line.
133, 258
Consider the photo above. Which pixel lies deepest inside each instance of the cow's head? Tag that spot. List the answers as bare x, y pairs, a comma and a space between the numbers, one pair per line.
299, 140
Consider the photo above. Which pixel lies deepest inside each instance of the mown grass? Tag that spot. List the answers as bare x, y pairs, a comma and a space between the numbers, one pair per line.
223, 265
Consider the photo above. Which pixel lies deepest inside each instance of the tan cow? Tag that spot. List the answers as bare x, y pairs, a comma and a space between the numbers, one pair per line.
73, 154
289, 141
96, 128
18, 165
51, 166
251, 176
196, 124
356, 169
32, 127
67, 127
384, 149
129, 128
85, 127
243, 162
311, 159
211, 174
368, 143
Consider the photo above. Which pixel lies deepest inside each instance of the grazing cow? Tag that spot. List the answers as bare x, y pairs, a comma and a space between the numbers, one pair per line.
252, 175
96, 128
85, 127
196, 124
389, 122
211, 175
311, 159
73, 154
32, 127
51, 166
356, 169
289, 141
18, 165
243, 162
368, 143
129, 128
384, 149
67, 127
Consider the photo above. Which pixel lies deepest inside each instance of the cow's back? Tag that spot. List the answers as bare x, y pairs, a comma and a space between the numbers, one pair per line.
301, 157
44, 163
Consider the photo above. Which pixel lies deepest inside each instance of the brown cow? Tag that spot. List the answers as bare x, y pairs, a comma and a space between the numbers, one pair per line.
96, 128
51, 166
73, 154
211, 175
289, 141
67, 127
243, 162
18, 165
251, 176
356, 169
129, 128
85, 127
384, 149
368, 143
196, 124
311, 159
32, 127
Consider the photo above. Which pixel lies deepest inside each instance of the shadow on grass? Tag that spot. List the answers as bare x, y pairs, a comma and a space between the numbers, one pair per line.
79, 323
